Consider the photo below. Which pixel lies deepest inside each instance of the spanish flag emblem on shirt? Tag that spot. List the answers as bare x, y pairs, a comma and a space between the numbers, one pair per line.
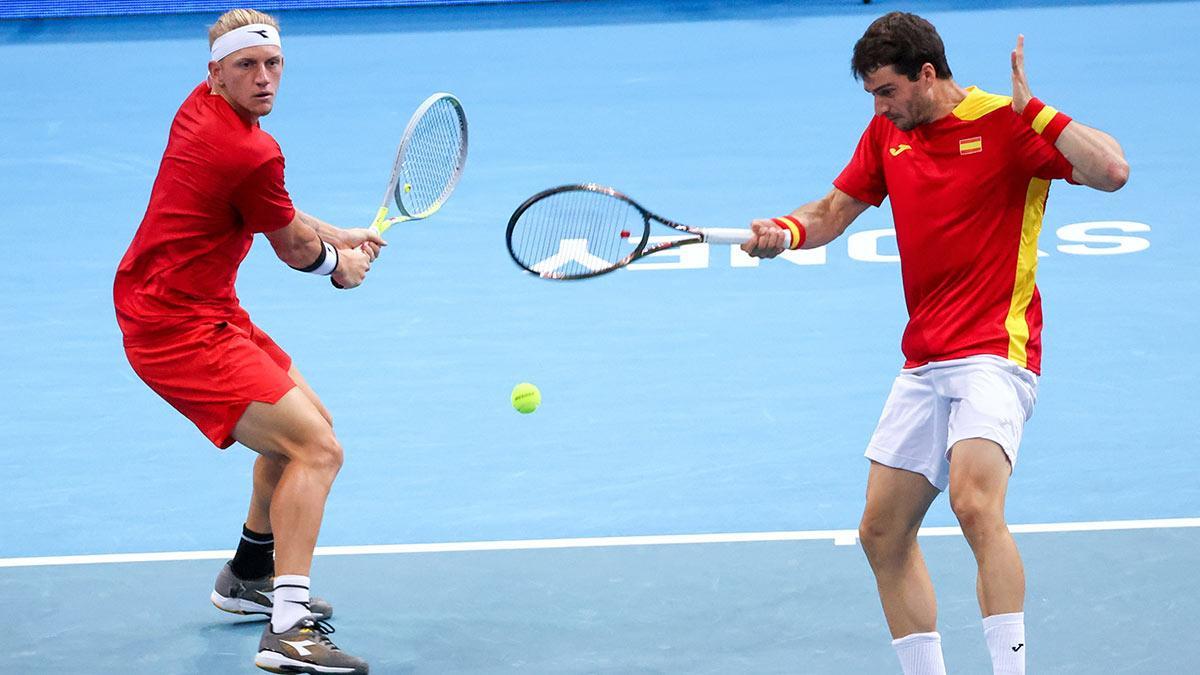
970, 146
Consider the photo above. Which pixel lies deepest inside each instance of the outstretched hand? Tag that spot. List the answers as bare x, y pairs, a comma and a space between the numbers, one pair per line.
1021, 93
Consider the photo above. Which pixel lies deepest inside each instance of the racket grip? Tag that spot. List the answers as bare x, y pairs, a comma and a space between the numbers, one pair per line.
736, 236
336, 284
380, 217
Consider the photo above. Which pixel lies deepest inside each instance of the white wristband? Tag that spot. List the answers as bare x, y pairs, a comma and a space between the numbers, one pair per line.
326, 262
329, 264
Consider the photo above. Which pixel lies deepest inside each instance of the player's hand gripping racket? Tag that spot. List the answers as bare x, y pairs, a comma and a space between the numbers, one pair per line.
429, 162
583, 231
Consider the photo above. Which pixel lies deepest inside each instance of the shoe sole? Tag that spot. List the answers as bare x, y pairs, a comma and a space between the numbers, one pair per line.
238, 605
278, 663
246, 607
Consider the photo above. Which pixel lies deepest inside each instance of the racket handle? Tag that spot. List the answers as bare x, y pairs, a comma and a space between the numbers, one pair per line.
736, 236
380, 217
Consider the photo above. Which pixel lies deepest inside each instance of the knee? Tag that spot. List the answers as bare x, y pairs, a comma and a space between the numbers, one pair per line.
878, 537
322, 452
976, 512
330, 455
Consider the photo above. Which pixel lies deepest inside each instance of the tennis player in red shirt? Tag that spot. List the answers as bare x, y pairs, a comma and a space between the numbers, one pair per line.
968, 174
187, 336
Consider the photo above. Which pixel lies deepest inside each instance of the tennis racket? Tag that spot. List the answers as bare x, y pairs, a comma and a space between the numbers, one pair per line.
583, 231
429, 162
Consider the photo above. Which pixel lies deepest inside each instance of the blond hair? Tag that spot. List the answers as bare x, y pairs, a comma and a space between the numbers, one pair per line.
236, 18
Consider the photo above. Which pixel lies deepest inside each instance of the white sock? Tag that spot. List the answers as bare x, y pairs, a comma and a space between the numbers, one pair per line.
920, 654
290, 601
1005, 635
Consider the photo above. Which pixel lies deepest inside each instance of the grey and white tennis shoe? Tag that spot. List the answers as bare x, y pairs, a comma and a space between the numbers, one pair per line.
306, 648
255, 596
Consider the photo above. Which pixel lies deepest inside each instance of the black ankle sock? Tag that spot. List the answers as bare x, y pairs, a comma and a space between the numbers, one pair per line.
255, 557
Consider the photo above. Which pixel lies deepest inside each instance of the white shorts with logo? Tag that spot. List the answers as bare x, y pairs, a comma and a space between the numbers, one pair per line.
936, 405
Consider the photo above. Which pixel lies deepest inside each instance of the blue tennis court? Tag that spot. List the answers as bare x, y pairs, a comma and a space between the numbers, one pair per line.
685, 499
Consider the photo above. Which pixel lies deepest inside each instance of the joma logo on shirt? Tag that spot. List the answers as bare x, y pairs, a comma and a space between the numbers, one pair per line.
899, 149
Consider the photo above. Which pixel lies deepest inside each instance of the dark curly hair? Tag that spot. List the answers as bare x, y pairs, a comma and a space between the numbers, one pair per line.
903, 40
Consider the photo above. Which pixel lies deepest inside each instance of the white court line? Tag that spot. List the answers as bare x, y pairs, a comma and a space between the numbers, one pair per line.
839, 537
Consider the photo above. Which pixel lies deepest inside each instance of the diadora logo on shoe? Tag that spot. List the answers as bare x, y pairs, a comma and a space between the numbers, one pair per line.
899, 149
300, 646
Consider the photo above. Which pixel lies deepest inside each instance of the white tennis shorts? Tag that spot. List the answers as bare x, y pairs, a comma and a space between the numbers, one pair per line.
936, 405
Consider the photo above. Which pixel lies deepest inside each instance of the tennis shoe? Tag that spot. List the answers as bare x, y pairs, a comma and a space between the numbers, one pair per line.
254, 596
305, 648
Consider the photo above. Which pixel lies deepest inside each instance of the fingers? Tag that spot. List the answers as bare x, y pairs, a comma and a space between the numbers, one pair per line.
367, 257
768, 240
771, 240
371, 249
353, 265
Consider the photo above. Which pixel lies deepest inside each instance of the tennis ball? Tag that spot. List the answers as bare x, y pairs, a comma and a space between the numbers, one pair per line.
526, 398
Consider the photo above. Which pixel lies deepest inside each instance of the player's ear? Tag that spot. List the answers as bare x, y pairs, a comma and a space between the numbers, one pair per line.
928, 73
926, 77
214, 74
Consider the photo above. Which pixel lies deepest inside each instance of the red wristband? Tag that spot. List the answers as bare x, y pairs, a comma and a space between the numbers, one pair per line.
1055, 127
1032, 109
791, 224
1046, 120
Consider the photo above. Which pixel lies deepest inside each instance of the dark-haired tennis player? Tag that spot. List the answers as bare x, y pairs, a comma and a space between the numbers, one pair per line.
968, 174
187, 336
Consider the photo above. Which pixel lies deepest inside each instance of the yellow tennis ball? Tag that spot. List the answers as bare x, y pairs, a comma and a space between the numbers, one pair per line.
526, 398
408, 187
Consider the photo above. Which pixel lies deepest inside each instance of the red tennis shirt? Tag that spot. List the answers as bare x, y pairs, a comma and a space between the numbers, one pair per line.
968, 193
220, 181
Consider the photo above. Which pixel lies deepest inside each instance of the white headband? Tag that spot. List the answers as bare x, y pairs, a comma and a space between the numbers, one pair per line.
254, 35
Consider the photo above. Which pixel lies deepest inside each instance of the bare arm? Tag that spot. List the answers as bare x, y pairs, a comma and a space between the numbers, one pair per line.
296, 243
345, 239
299, 244
824, 220
1096, 158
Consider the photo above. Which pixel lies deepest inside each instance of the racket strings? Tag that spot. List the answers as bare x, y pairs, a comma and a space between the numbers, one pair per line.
432, 160
575, 233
